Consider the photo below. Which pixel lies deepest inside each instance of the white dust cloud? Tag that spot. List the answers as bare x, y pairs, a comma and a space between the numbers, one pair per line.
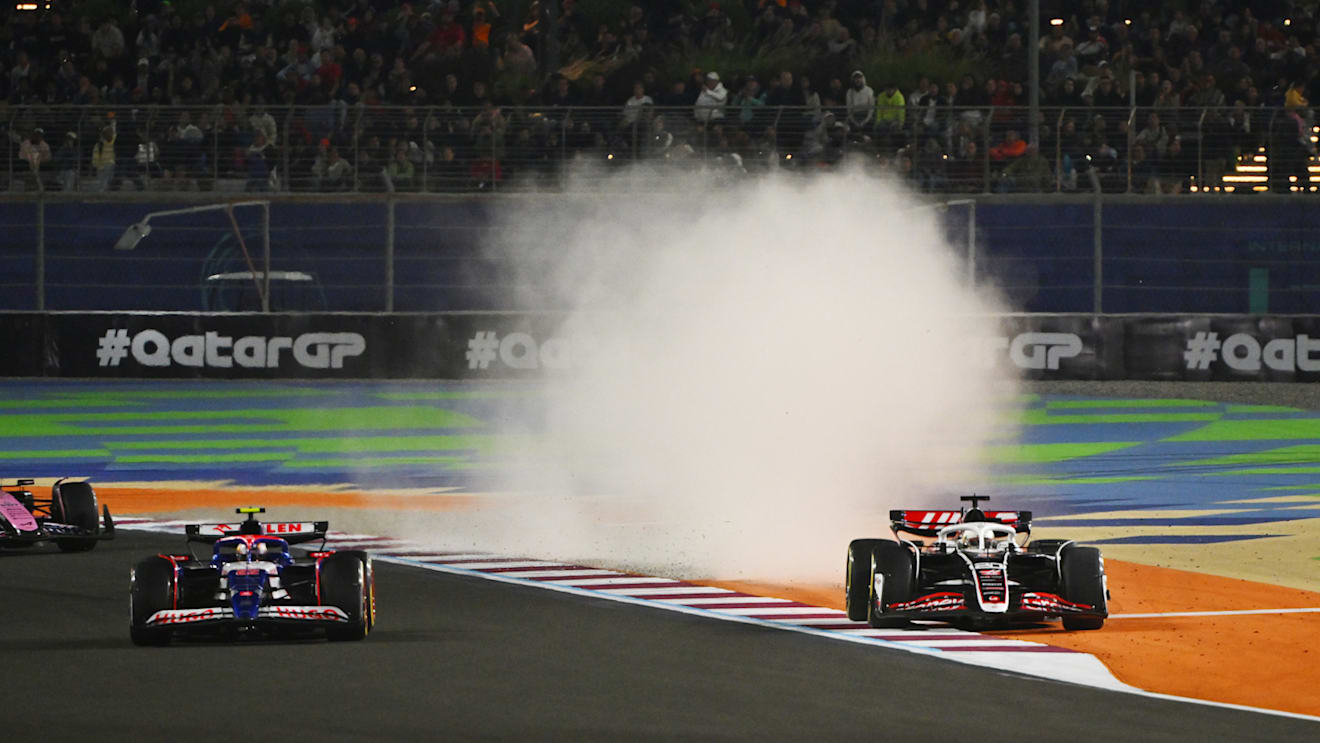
762, 372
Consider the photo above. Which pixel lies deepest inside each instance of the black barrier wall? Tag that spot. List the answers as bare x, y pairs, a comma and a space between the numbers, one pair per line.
256, 346
494, 345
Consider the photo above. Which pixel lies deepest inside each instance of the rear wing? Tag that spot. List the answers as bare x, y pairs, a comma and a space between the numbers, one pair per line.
929, 523
293, 532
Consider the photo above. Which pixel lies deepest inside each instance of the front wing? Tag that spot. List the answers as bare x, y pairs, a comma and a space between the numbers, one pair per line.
1025, 606
48, 530
266, 616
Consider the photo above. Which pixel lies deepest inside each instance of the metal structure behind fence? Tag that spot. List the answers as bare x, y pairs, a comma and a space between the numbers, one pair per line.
941, 149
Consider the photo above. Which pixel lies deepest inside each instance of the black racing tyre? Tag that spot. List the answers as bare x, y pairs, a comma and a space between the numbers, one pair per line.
1084, 582
74, 503
151, 589
345, 579
855, 577
894, 562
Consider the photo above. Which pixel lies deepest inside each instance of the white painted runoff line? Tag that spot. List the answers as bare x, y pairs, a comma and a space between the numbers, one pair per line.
554, 573
1230, 613
759, 611
725, 600
437, 557
493, 564
593, 582
969, 642
666, 591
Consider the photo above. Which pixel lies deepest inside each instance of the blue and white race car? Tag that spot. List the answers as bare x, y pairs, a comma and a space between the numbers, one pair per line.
251, 585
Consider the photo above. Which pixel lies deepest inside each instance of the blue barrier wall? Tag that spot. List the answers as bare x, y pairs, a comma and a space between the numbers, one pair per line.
1193, 255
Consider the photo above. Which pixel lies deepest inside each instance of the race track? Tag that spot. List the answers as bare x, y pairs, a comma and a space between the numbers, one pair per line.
462, 658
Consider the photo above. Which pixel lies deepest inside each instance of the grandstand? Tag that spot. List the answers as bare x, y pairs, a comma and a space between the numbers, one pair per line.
449, 96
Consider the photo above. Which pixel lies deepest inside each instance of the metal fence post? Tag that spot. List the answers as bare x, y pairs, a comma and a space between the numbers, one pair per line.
494, 162
1097, 237
41, 253
286, 183
265, 252
971, 244
1131, 138
426, 170
215, 153
1058, 150
1200, 150
985, 155
389, 255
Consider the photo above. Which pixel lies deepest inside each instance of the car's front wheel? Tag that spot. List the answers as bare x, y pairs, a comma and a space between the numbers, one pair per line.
1083, 573
151, 589
74, 503
347, 582
893, 563
857, 573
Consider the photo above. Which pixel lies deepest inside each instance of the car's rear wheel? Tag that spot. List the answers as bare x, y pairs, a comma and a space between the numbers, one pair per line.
74, 503
1083, 574
346, 582
151, 589
893, 562
858, 572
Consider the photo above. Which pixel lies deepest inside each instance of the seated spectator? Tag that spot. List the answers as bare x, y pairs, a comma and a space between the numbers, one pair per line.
710, 102
1144, 173
749, 101
65, 163
860, 102
1011, 148
1154, 137
256, 160
399, 173
890, 116
332, 172
1029, 173
35, 151
103, 158
148, 162
1174, 168
1064, 67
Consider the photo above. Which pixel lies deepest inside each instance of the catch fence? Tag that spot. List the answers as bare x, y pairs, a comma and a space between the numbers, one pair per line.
337, 148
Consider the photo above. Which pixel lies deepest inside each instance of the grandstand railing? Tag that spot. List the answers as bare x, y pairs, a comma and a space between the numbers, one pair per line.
443, 149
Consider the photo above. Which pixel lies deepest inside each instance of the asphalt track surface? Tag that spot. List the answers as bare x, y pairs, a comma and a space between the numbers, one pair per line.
458, 658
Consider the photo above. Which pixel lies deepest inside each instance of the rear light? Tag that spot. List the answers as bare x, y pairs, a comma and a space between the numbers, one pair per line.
320, 554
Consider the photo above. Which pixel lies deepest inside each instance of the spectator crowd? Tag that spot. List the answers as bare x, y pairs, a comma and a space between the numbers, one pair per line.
331, 95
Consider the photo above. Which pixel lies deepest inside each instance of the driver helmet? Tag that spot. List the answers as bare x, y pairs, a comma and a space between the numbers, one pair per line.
969, 539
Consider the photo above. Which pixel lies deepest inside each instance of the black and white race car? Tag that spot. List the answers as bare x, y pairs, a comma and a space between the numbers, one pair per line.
250, 585
69, 517
974, 570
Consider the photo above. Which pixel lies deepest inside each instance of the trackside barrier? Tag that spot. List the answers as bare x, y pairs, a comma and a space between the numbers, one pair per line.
501, 345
